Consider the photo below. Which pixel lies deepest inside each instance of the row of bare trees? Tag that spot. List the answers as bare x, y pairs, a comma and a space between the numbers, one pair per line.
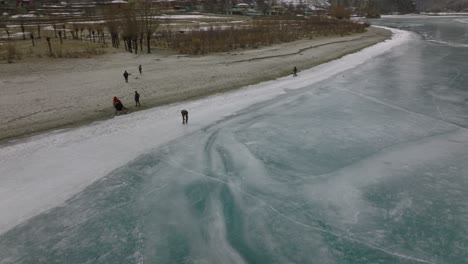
261, 32
134, 25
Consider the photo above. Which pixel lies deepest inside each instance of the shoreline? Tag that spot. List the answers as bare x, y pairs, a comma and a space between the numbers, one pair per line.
61, 94
45, 171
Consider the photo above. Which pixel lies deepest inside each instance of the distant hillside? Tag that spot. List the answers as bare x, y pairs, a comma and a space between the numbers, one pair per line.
400, 6
441, 5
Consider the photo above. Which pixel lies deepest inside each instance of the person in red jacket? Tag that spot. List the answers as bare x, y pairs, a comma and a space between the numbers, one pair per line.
118, 104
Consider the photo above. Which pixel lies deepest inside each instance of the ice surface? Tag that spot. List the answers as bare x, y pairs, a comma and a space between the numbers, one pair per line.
368, 166
46, 170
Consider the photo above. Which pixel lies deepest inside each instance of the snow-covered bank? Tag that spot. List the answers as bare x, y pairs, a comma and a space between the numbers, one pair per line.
44, 171
49, 94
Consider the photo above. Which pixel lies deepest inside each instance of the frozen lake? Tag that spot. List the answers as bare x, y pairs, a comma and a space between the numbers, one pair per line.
361, 160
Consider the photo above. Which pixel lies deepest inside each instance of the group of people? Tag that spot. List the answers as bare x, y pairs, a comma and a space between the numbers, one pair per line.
126, 74
119, 107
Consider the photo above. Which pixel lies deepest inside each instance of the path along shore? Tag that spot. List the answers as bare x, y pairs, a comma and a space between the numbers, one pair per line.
41, 95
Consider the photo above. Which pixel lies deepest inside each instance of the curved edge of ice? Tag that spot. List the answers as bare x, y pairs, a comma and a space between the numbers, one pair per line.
44, 171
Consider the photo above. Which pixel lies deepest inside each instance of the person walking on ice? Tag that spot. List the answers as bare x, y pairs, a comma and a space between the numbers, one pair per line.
184, 116
139, 69
137, 99
294, 71
126, 74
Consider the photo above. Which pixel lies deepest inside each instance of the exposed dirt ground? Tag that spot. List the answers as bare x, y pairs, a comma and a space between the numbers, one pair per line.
43, 94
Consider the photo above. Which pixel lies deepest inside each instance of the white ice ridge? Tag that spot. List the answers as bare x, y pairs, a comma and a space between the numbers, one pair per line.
44, 171
452, 44
462, 20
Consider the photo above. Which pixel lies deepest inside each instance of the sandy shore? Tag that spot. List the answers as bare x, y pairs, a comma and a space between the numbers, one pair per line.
37, 96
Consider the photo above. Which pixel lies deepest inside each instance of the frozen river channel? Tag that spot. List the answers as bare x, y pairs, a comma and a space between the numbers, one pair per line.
361, 160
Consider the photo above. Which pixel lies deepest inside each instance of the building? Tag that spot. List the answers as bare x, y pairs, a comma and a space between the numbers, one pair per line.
242, 9
24, 2
276, 10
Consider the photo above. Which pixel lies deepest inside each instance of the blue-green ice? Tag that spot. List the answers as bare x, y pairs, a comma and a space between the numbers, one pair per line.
367, 166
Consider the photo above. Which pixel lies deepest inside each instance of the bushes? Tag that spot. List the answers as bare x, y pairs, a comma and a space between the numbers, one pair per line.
14, 51
77, 52
257, 32
340, 12
10, 54
260, 32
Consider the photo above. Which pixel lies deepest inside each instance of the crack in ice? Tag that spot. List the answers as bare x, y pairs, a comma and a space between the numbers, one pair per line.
375, 247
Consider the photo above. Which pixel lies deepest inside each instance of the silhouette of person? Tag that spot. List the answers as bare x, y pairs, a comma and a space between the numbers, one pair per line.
295, 71
137, 99
139, 69
125, 74
184, 116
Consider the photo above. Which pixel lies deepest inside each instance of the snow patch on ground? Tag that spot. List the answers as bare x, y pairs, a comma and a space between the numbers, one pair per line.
187, 17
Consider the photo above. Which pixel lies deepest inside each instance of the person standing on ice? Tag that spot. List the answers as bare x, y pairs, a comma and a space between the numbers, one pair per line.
126, 74
184, 116
139, 69
295, 71
137, 99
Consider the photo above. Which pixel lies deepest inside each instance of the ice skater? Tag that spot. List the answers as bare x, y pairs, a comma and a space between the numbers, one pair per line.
126, 74
294, 71
184, 116
137, 99
139, 69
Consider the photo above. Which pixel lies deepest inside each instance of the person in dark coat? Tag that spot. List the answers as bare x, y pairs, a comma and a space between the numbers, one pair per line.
126, 74
139, 69
184, 116
137, 99
295, 71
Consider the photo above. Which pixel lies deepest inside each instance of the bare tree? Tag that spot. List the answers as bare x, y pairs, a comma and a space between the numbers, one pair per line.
22, 29
64, 31
55, 29
113, 27
74, 31
50, 46
32, 38
130, 28
38, 31
150, 23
